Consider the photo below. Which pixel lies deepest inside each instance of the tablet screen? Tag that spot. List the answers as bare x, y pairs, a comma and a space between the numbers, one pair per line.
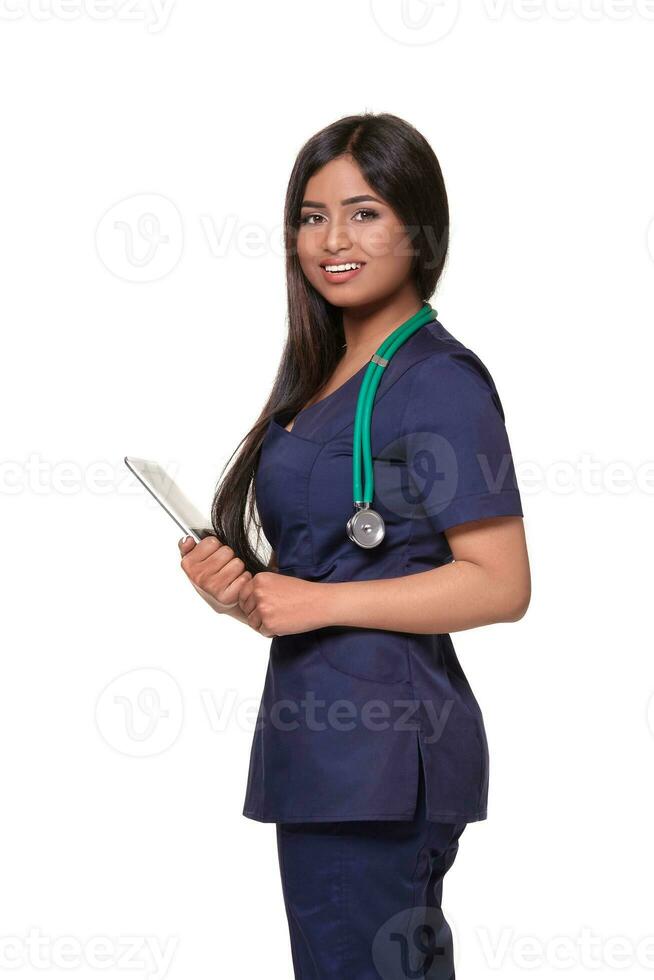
164, 489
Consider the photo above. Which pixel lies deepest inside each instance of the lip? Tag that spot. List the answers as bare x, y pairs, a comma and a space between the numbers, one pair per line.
337, 277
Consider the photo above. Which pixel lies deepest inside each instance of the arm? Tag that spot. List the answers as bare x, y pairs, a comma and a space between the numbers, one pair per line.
488, 582
454, 420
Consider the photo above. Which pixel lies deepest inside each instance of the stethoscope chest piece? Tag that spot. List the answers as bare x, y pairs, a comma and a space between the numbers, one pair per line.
366, 527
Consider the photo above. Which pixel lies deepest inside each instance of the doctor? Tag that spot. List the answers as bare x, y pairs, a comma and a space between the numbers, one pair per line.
383, 478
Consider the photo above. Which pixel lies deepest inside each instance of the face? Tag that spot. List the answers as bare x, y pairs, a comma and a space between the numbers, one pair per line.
343, 221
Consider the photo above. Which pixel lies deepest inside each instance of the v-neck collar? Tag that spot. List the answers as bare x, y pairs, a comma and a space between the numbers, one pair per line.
358, 375
320, 421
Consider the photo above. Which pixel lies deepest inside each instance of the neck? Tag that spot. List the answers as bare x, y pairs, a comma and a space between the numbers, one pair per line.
366, 327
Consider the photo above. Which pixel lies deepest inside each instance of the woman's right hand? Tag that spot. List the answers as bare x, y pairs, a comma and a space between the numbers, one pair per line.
214, 571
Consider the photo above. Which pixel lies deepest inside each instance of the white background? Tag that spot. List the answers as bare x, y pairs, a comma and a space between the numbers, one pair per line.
162, 340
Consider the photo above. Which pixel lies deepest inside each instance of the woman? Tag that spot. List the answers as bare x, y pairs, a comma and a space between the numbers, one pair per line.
370, 753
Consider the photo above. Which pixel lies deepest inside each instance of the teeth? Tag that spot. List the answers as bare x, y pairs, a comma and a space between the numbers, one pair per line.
343, 268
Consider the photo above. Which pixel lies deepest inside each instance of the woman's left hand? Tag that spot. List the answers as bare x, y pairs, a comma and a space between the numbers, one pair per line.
278, 604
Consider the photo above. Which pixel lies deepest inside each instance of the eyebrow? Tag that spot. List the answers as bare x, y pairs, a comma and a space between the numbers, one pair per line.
348, 200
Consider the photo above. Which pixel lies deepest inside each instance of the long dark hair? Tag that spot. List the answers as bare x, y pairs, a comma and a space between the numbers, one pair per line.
400, 166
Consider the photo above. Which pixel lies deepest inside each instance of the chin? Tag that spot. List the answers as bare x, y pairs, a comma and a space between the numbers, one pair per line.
349, 294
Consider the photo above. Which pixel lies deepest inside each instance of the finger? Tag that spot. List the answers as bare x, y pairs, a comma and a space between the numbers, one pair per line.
246, 591
207, 557
248, 605
210, 553
247, 599
254, 620
215, 575
186, 544
233, 591
206, 546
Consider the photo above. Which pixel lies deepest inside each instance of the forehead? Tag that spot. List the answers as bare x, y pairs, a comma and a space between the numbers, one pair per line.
338, 179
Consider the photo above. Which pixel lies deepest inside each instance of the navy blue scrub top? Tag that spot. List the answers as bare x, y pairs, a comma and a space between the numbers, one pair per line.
347, 713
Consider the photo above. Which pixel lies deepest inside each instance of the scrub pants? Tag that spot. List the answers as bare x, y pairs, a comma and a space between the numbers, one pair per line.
363, 897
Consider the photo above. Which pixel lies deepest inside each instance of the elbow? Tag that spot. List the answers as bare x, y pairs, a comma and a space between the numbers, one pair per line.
517, 604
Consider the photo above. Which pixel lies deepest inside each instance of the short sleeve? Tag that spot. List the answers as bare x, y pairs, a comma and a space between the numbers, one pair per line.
458, 457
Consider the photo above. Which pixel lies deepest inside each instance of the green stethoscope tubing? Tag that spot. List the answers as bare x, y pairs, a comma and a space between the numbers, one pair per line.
361, 450
365, 402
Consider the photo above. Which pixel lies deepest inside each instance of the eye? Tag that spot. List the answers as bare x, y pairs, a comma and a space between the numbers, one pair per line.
363, 214
306, 219
370, 212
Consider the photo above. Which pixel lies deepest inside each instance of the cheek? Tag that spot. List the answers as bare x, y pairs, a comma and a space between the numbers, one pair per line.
387, 243
307, 247
312, 273
308, 262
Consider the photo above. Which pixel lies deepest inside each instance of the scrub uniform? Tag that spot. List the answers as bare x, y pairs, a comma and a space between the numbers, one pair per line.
352, 719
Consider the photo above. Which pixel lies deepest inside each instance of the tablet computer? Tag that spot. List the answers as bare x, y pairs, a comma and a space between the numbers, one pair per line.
165, 491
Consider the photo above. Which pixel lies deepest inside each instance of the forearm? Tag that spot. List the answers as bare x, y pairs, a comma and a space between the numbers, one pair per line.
457, 596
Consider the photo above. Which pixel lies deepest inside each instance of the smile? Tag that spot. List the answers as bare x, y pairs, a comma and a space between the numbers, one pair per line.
341, 272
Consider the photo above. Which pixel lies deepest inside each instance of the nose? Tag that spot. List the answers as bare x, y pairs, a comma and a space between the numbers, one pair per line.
337, 237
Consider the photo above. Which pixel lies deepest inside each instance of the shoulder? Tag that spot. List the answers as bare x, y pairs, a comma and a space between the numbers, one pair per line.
445, 372
453, 436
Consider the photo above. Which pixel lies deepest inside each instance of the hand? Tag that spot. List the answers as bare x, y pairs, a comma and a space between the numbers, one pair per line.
215, 572
278, 604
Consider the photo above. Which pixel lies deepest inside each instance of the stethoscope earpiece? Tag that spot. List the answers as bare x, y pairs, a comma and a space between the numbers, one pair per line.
366, 526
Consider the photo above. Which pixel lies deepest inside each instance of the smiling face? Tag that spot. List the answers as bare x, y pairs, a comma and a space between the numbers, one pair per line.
344, 223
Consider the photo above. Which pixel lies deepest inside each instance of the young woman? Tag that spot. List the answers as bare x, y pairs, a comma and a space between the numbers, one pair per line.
370, 753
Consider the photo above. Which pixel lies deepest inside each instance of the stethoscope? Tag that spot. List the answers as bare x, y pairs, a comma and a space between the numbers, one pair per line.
366, 526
